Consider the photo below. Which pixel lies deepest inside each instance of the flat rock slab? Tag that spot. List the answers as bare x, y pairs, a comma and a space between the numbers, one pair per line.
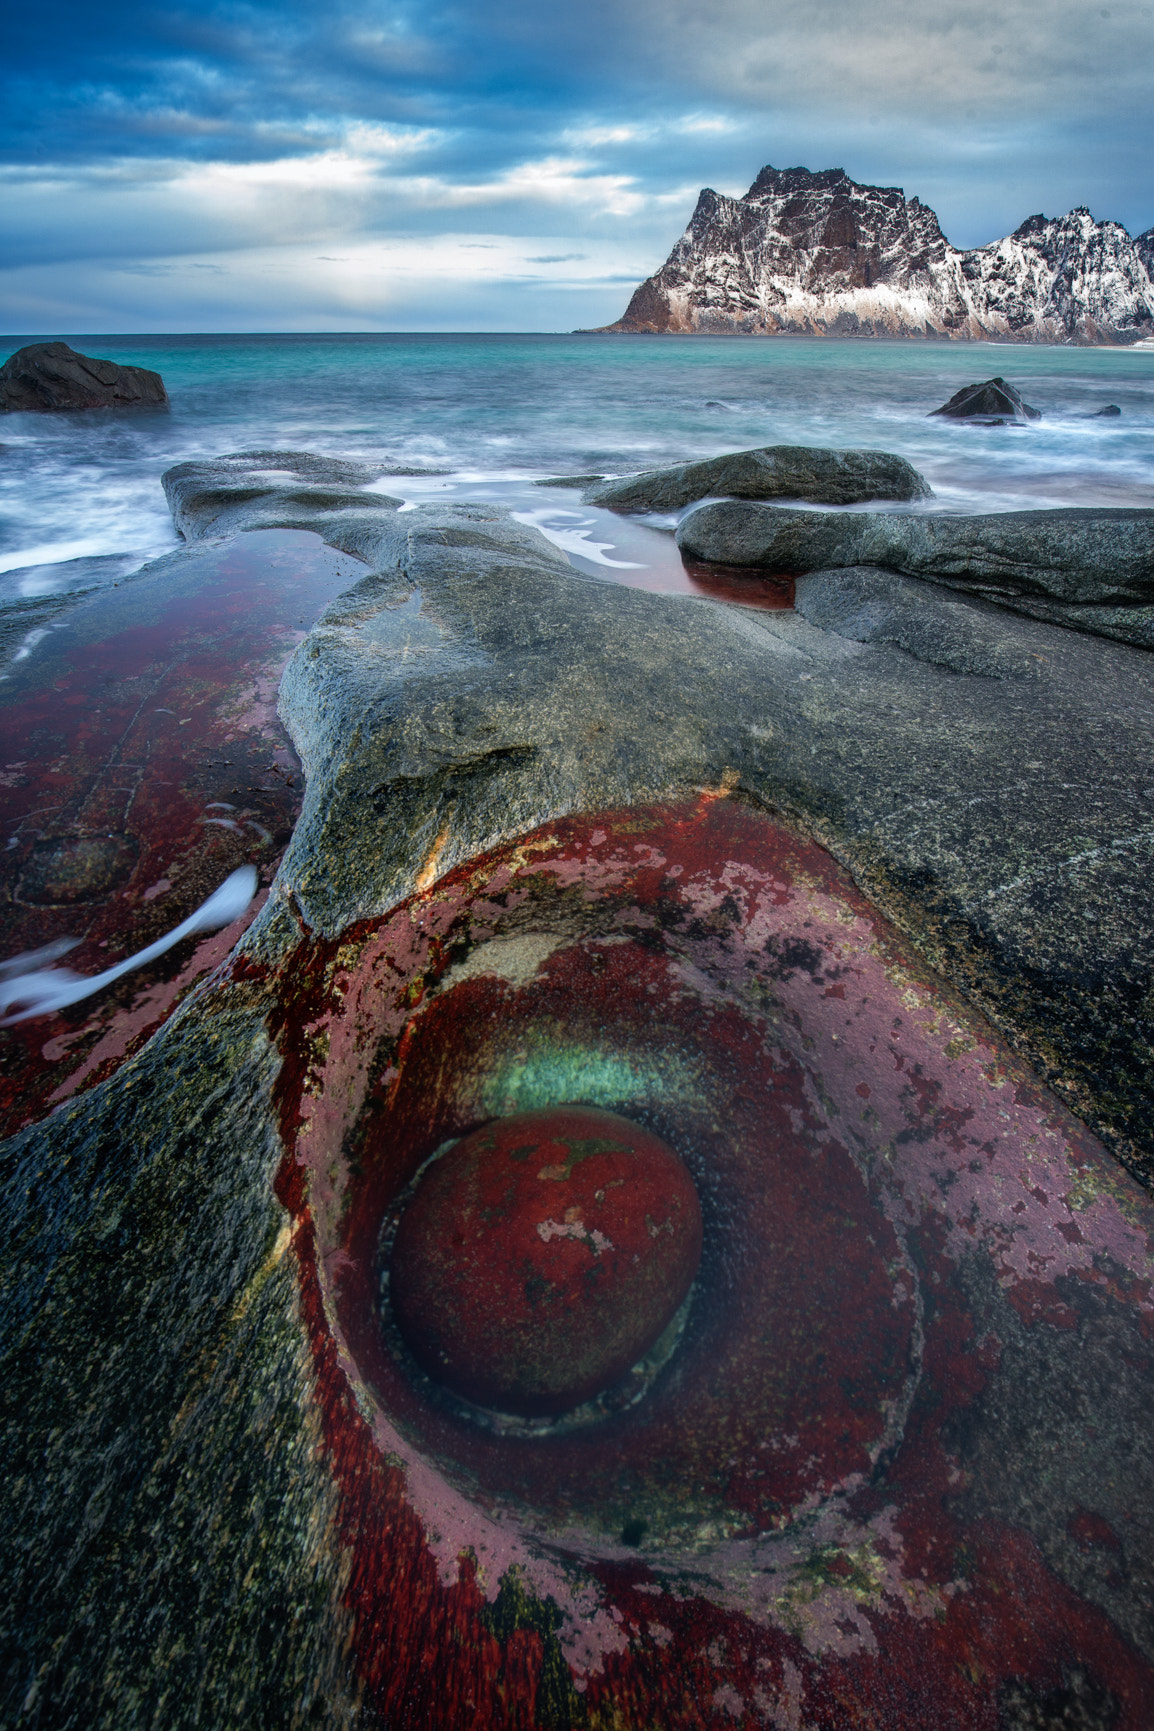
1079, 557
47, 376
688, 862
268, 490
776, 472
868, 605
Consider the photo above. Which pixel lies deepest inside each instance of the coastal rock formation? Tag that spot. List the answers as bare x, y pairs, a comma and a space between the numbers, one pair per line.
269, 490
776, 472
565, 842
823, 255
869, 605
990, 402
47, 376
1077, 556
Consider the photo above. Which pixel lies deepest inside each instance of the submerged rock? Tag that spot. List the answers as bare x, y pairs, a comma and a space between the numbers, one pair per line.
542, 1256
991, 402
1077, 556
569, 481
47, 376
774, 472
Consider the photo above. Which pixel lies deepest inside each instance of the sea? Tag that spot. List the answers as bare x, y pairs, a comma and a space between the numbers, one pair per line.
494, 415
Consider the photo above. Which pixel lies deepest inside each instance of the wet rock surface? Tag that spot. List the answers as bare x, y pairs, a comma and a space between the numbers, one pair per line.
269, 490
868, 605
48, 376
1079, 557
777, 472
572, 842
991, 403
542, 1256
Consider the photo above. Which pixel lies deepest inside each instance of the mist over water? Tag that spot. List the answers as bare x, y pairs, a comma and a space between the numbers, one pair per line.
81, 501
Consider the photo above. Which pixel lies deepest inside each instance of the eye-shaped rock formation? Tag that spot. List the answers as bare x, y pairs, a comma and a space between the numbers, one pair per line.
754, 882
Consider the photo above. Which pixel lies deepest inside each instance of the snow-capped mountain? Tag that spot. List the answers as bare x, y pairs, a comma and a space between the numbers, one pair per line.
820, 253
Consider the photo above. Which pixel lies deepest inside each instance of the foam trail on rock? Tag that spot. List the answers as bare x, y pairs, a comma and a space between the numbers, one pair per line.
49, 989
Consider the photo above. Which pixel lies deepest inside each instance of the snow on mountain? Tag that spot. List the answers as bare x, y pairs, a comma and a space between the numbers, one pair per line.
821, 254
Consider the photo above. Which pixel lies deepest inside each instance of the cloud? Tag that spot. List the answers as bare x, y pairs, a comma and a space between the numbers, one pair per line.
132, 137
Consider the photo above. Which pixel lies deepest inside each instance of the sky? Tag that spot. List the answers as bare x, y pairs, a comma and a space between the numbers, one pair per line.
511, 164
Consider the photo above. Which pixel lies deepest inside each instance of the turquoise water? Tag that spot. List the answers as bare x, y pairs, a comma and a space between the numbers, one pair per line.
500, 411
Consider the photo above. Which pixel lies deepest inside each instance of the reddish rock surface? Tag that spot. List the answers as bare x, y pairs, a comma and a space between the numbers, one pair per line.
141, 761
542, 1256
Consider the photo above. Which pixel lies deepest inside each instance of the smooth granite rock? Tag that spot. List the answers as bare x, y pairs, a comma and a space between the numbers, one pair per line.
991, 402
1083, 557
868, 605
196, 1472
513, 691
47, 376
268, 490
776, 472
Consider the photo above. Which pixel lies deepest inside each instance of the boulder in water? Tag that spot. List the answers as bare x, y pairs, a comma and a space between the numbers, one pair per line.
51, 376
773, 472
1085, 557
991, 402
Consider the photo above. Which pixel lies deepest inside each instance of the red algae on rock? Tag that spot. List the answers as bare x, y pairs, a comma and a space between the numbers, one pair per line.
141, 761
819, 1514
542, 1255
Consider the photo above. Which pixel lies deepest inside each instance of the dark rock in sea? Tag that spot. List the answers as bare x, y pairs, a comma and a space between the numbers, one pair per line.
46, 376
1075, 556
1110, 411
992, 402
774, 472
269, 490
844, 906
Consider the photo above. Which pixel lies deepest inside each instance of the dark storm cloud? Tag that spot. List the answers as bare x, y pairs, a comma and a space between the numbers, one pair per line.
143, 134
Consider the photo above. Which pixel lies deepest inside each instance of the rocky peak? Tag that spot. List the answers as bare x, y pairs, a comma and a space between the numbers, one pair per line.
1144, 247
821, 253
785, 182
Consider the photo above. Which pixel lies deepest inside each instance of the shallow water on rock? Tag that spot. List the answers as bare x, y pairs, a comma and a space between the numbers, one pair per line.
142, 761
503, 411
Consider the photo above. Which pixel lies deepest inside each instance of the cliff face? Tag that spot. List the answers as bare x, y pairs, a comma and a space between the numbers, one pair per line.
821, 254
